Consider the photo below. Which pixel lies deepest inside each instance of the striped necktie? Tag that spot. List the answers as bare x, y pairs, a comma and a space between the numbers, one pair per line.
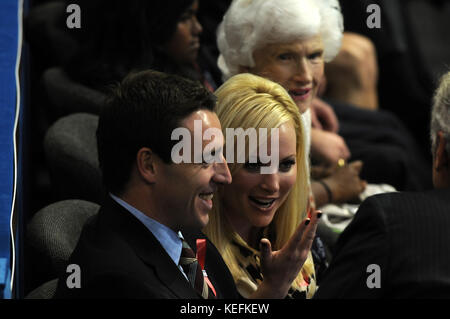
193, 271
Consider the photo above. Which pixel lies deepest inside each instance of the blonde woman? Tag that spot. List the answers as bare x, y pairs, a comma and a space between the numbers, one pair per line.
257, 222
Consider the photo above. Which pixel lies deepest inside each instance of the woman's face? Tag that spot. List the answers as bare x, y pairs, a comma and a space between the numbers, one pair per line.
297, 66
252, 199
184, 45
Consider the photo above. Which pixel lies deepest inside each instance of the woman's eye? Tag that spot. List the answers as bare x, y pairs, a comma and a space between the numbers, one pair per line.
285, 56
252, 167
315, 55
286, 166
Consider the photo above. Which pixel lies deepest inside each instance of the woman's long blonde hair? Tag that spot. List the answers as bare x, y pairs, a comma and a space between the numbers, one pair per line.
249, 101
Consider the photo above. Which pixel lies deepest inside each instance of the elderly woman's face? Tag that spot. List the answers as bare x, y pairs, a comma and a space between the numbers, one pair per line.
297, 66
184, 45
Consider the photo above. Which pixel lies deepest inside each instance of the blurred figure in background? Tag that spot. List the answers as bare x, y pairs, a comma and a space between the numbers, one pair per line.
402, 237
118, 37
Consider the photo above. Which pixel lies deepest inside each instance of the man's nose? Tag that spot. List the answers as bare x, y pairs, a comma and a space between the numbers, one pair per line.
222, 173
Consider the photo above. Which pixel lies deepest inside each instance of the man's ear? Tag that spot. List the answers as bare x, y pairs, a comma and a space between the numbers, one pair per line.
146, 165
441, 158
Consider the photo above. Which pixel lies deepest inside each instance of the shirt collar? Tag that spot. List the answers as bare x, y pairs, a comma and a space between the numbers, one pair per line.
169, 240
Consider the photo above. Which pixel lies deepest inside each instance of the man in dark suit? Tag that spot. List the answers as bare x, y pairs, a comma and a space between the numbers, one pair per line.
397, 245
134, 247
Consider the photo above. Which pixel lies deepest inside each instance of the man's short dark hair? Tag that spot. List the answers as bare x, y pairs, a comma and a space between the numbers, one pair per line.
142, 111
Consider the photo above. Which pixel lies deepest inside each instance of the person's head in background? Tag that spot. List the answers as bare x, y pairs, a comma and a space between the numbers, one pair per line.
135, 148
118, 37
257, 204
286, 41
440, 133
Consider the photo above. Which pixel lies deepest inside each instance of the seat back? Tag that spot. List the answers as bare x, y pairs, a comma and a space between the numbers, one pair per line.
71, 152
51, 237
67, 96
44, 291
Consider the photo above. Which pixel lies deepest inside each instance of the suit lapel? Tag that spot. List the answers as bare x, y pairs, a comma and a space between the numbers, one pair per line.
148, 248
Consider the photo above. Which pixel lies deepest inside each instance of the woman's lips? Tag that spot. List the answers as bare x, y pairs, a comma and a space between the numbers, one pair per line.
262, 204
300, 94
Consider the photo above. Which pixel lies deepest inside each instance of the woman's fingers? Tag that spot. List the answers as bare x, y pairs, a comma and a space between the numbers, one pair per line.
310, 231
266, 250
304, 235
281, 267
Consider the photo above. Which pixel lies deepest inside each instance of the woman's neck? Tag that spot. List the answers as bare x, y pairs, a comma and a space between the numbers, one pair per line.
250, 234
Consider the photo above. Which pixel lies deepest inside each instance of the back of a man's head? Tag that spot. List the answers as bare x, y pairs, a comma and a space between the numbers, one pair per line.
440, 114
440, 133
142, 111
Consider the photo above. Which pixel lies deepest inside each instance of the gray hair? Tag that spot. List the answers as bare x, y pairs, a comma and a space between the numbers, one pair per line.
252, 24
440, 114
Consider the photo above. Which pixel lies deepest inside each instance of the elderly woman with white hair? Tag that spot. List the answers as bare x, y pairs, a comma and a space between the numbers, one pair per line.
289, 41
252, 24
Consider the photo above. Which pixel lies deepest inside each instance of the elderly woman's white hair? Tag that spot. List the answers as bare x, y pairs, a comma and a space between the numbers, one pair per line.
251, 24
440, 114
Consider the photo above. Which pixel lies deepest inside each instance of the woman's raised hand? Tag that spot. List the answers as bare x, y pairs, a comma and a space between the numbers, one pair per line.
280, 268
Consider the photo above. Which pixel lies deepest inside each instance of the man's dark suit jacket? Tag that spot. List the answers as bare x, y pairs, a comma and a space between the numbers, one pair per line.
120, 258
407, 235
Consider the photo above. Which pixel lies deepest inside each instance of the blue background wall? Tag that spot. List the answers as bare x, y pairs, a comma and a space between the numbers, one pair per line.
9, 37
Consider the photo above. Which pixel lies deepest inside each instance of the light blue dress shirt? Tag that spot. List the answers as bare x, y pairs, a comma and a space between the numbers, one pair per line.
168, 239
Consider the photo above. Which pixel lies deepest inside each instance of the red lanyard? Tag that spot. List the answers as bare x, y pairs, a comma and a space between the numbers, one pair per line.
201, 253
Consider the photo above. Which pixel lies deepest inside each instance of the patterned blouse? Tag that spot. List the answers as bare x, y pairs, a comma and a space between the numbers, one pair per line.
249, 260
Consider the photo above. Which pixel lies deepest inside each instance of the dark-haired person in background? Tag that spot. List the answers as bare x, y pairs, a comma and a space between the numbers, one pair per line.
135, 246
397, 244
118, 37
